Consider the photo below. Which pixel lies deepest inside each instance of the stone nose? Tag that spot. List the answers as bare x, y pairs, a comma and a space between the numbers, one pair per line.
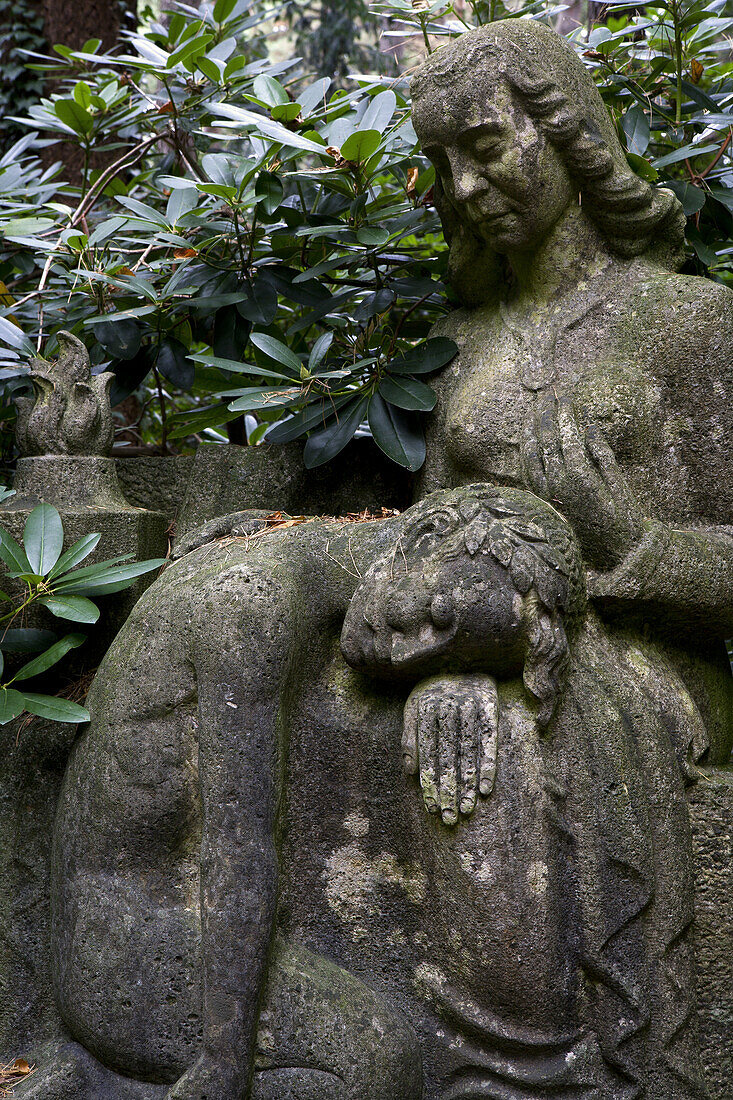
408, 608
468, 181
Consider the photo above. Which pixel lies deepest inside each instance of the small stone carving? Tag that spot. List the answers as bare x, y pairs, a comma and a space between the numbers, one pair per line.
69, 413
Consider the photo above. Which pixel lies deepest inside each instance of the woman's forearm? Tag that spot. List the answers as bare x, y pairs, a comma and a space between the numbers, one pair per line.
680, 576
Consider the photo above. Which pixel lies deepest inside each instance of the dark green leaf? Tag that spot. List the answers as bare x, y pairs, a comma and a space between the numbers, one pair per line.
691, 197
75, 608
58, 710
129, 374
396, 433
269, 191
12, 554
231, 333
50, 657
223, 9
408, 393
361, 145
260, 306
325, 444
43, 538
115, 579
26, 639
276, 350
174, 364
198, 420
372, 236
76, 553
253, 398
74, 116
635, 126
315, 416
426, 357
120, 338
12, 704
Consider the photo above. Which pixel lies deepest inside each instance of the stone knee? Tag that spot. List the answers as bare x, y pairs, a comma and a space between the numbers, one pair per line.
335, 1035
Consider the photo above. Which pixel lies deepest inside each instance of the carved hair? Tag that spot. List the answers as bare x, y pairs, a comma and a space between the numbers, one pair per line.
632, 216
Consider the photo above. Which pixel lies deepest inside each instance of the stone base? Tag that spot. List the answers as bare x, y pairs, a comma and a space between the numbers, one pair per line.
66, 480
156, 482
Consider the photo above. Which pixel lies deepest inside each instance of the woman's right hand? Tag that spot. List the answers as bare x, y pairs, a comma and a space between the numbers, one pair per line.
450, 738
571, 465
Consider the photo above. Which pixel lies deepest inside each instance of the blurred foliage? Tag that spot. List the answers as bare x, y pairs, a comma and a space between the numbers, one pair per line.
263, 241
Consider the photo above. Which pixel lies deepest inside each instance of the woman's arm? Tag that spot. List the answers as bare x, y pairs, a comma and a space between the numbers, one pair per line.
676, 577
244, 640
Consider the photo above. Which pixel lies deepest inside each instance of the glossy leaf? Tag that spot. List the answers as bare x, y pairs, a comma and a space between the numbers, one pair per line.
13, 555
55, 709
396, 433
407, 393
51, 657
75, 554
121, 339
361, 145
325, 444
174, 364
275, 349
12, 703
75, 608
431, 355
114, 579
26, 639
43, 538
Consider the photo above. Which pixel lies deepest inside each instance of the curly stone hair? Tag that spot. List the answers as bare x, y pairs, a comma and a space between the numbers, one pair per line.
552, 85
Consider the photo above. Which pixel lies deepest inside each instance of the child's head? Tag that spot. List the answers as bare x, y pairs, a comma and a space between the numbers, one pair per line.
479, 579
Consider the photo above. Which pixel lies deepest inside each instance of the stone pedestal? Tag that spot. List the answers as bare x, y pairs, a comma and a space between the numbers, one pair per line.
87, 493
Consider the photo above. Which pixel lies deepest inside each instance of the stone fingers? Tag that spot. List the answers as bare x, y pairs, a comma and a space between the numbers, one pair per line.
410, 756
448, 746
532, 466
469, 726
427, 740
488, 720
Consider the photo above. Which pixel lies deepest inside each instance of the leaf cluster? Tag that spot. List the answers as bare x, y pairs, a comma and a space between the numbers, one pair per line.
262, 258
55, 579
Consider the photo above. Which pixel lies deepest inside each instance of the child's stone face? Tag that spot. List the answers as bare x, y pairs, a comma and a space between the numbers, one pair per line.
430, 606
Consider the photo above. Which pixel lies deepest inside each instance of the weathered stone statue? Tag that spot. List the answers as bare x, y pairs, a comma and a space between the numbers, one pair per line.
253, 894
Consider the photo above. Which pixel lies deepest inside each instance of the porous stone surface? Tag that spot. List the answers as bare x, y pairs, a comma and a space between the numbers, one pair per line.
81, 482
158, 483
711, 812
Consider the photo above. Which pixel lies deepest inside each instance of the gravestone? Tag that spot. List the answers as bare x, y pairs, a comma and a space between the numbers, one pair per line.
415, 808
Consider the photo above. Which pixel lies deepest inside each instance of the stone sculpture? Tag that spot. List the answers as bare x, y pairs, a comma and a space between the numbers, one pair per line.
69, 412
251, 895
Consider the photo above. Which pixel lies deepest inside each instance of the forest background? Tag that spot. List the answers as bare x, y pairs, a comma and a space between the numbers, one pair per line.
226, 202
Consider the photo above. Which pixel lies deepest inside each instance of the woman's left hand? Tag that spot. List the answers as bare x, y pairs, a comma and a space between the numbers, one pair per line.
576, 470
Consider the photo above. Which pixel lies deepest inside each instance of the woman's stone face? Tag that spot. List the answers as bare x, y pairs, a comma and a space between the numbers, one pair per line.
505, 181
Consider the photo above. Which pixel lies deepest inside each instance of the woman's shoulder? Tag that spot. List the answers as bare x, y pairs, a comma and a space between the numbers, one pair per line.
668, 302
